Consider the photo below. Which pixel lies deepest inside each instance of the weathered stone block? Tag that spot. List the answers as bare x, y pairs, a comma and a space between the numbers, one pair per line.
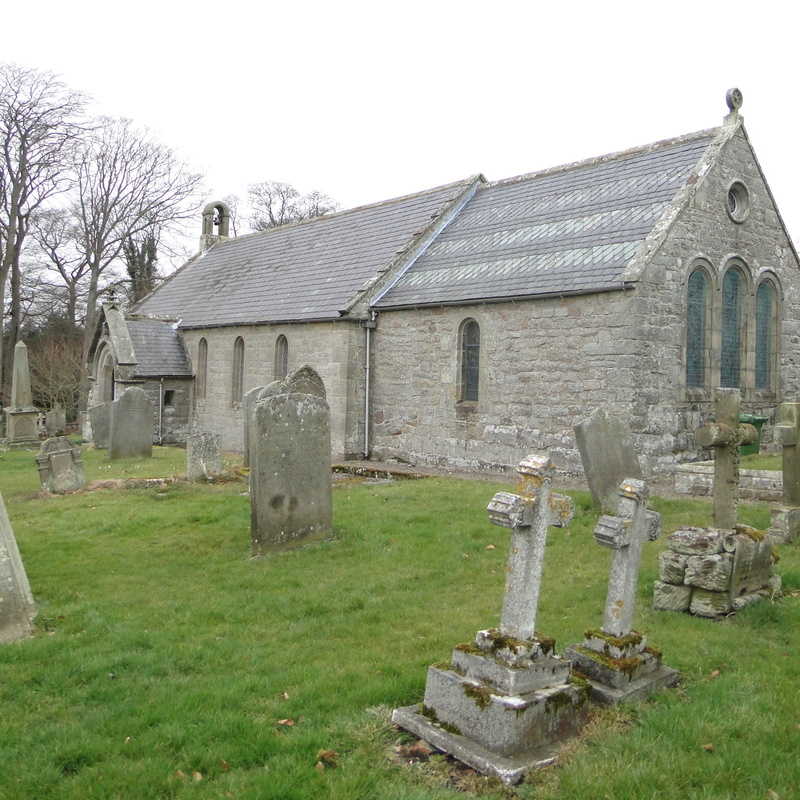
785, 525
100, 418
16, 601
697, 541
709, 604
668, 597
671, 567
709, 572
60, 466
131, 430
752, 563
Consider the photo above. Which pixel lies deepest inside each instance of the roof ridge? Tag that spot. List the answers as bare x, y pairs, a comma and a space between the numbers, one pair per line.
297, 223
603, 159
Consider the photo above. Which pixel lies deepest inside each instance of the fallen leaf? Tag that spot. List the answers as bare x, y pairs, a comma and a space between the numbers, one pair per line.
197, 777
285, 695
490, 547
127, 739
709, 748
287, 722
327, 758
225, 765
180, 774
772, 795
714, 673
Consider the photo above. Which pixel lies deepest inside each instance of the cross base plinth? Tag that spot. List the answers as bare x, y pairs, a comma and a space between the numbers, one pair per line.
498, 733
21, 431
785, 525
620, 669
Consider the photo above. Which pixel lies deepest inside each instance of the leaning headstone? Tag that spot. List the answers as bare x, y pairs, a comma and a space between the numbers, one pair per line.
17, 609
786, 518
21, 415
131, 433
725, 435
100, 417
615, 658
505, 701
60, 466
607, 456
203, 455
248, 405
290, 463
55, 421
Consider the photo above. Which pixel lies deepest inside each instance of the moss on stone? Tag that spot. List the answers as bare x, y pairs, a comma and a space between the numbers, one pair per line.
629, 640
469, 647
625, 665
502, 642
557, 701
547, 644
752, 533
655, 652
480, 695
428, 712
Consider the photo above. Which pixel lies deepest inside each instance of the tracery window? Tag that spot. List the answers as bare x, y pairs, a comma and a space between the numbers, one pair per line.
470, 360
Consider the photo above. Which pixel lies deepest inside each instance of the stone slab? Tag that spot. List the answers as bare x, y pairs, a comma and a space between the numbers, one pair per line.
509, 769
590, 667
131, 431
672, 567
607, 455
544, 671
710, 604
697, 541
203, 455
668, 597
55, 421
100, 418
709, 572
60, 465
640, 689
785, 524
752, 565
17, 608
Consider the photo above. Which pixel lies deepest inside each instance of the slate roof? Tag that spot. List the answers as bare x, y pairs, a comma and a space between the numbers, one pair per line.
302, 271
158, 348
563, 231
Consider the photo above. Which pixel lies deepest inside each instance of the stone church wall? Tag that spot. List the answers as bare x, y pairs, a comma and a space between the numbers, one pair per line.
665, 413
333, 349
544, 365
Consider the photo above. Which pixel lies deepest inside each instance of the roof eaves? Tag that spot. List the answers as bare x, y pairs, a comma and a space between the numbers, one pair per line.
386, 277
659, 232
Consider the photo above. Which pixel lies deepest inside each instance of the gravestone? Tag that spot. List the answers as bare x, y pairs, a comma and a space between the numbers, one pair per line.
17, 608
607, 456
786, 518
290, 463
55, 421
505, 701
203, 455
131, 430
60, 466
616, 659
248, 405
100, 417
21, 415
725, 435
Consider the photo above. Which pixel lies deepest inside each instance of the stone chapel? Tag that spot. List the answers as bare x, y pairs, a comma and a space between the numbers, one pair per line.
470, 323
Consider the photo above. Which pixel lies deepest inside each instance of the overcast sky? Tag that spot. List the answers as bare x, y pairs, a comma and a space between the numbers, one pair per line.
367, 101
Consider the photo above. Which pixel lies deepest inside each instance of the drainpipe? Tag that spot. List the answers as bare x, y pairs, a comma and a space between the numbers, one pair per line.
161, 413
368, 326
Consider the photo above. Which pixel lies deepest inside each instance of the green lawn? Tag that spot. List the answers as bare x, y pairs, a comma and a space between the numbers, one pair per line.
165, 658
758, 461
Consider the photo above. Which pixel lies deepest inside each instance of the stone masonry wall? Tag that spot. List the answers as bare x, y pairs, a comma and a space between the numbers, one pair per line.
666, 413
333, 349
174, 423
544, 365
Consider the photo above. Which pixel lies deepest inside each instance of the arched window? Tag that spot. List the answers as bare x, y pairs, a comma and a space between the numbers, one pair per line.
237, 374
202, 369
697, 328
470, 360
766, 334
281, 358
105, 375
733, 289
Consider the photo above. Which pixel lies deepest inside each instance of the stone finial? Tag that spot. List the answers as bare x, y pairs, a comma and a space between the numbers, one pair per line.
734, 99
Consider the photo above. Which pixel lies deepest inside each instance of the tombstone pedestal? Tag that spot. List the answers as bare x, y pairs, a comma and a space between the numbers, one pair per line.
620, 669
502, 705
21, 428
785, 524
60, 466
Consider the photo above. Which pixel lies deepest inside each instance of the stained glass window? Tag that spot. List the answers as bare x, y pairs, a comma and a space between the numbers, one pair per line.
765, 334
731, 355
697, 303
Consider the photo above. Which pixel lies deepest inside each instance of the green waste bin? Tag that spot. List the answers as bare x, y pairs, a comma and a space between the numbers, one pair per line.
757, 422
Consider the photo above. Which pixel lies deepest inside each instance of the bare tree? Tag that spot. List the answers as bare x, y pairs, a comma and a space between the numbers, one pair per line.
232, 201
274, 203
126, 183
40, 121
55, 352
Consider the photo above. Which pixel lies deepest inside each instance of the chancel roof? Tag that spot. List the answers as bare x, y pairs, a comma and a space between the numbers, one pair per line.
302, 271
158, 348
573, 229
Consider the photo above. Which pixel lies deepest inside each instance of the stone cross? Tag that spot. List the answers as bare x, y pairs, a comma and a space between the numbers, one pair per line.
787, 432
529, 514
725, 435
624, 533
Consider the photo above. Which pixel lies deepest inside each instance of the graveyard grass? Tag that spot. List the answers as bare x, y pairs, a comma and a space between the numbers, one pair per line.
168, 664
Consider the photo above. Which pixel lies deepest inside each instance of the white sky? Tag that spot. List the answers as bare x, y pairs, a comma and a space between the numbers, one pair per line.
367, 101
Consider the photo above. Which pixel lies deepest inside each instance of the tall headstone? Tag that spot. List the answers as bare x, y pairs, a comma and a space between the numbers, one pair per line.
17, 608
725, 435
505, 701
21, 415
100, 418
786, 518
131, 433
55, 421
60, 466
607, 456
203, 455
248, 406
616, 659
290, 466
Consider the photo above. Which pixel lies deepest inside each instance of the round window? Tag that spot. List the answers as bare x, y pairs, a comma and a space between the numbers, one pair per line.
738, 202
